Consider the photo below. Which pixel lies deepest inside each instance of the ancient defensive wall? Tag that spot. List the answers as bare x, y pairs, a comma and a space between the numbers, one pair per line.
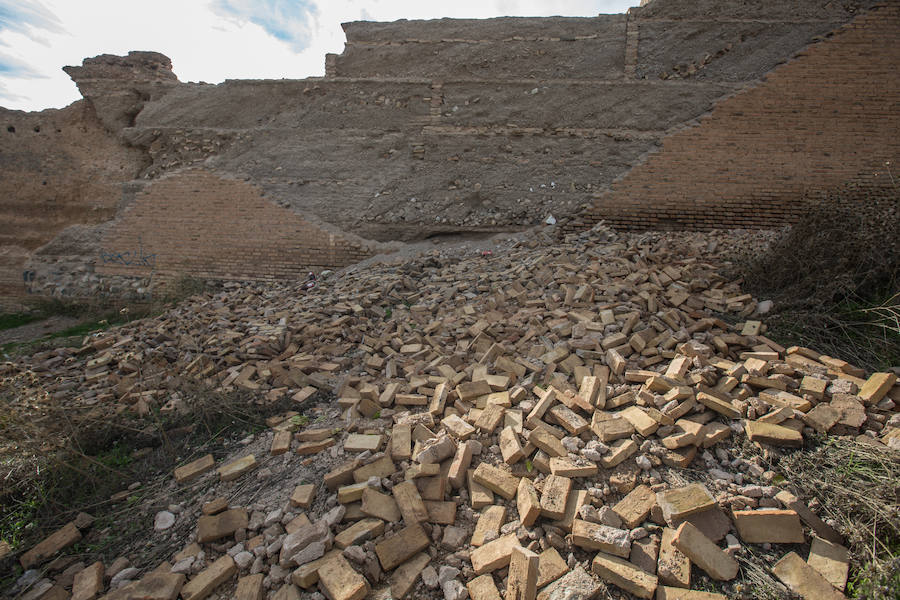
680, 114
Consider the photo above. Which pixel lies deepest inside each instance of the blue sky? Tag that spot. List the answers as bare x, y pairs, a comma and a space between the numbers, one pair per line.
211, 40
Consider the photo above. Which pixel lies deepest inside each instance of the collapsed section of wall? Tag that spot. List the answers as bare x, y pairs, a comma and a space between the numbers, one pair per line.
825, 120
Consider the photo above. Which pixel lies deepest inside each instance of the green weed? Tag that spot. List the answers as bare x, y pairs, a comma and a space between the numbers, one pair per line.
876, 581
19, 520
116, 457
11, 320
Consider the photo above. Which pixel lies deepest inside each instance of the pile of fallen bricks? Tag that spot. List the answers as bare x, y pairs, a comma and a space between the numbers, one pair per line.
513, 425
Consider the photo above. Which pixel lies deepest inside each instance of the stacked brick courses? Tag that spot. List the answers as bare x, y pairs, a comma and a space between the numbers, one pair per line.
200, 224
826, 120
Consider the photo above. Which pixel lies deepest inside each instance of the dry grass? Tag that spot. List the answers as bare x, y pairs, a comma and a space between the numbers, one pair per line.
858, 486
57, 462
757, 581
845, 246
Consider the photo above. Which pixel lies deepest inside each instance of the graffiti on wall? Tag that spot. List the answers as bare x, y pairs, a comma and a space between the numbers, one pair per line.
129, 258
28, 278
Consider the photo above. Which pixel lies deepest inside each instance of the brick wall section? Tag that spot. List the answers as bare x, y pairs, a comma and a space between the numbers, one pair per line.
198, 224
827, 119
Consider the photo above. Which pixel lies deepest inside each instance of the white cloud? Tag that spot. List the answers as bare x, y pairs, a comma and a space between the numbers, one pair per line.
214, 40
27, 16
291, 21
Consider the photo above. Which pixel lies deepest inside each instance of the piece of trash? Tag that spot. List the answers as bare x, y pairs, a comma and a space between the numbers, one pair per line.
551, 220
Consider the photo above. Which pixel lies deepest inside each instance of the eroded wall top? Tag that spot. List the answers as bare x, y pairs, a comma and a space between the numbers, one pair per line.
767, 10
120, 86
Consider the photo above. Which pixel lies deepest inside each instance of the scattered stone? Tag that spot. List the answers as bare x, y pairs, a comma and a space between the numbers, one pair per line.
644, 554
714, 523
209, 579
453, 590
601, 537
523, 575
494, 555
287, 592
551, 567
625, 575
636, 506
404, 577
430, 578
357, 533
398, 548
555, 496
527, 502
214, 527
773, 435
704, 553
243, 560
88, 583
876, 386
821, 528
357, 442
195, 469
381, 506
303, 496
410, 503
158, 586
769, 526
678, 503
674, 593
804, 580
214, 506
60, 539
488, 524
497, 480
236, 468
454, 537
483, 588
614, 361
673, 567
163, 520
250, 588
340, 581
832, 561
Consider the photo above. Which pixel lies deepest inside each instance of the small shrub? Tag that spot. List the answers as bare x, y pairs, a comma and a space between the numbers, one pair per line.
835, 278
877, 581
845, 248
